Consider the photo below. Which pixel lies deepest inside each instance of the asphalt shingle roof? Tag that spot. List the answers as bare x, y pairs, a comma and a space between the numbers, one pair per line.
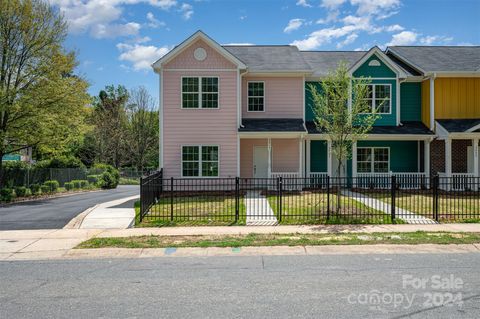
322, 62
269, 57
441, 58
408, 128
272, 125
458, 125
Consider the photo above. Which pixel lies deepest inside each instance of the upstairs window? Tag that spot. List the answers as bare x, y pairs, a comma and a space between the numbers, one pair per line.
379, 98
256, 96
373, 159
199, 161
200, 92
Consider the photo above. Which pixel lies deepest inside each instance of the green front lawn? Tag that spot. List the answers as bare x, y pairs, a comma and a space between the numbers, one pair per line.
195, 210
312, 208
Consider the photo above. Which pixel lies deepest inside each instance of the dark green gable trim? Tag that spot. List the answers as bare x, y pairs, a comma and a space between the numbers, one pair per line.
411, 101
382, 71
318, 156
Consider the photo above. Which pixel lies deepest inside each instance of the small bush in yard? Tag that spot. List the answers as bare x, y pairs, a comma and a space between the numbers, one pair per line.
35, 188
76, 184
53, 186
84, 184
68, 186
6, 194
21, 191
45, 189
93, 179
107, 181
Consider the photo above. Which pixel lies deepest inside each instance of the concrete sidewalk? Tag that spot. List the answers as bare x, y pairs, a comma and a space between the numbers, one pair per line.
54, 244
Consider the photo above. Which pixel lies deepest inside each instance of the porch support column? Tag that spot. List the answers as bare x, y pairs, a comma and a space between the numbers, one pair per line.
300, 156
269, 157
308, 158
476, 162
448, 157
426, 159
329, 158
354, 162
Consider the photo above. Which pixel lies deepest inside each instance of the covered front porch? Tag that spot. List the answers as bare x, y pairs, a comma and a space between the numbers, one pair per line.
271, 148
403, 152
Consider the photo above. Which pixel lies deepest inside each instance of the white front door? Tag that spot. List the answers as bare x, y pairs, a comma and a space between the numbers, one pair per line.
260, 162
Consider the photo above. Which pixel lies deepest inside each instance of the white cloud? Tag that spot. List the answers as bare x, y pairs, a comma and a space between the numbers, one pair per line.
187, 11
154, 22
303, 3
98, 17
403, 38
239, 43
435, 39
141, 56
348, 40
375, 7
101, 31
332, 4
293, 24
394, 28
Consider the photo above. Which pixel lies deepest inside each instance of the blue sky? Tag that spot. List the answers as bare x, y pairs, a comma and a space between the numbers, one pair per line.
117, 40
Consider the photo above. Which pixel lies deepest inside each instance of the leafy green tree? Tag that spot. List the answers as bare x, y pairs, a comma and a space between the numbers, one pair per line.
143, 126
42, 101
342, 111
110, 125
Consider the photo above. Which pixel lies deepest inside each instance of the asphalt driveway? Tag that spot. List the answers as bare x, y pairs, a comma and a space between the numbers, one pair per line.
57, 212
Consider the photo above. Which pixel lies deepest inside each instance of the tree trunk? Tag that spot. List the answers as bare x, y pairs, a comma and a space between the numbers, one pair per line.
2, 182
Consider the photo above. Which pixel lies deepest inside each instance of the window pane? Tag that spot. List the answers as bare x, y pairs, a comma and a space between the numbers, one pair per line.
382, 91
210, 153
363, 167
209, 100
380, 154
190, 168
380, 167
369, 91
255, 103
190, 153
255, 89
210, 85
382, 106
190, 100
190, 84
209, 168
363, 155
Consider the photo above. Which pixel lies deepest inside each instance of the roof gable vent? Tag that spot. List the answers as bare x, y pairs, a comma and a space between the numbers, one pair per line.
374, 63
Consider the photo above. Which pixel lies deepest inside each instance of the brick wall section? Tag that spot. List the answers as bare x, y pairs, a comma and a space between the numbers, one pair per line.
459, 156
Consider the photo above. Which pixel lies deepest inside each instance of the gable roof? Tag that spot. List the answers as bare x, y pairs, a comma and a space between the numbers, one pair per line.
272, 125
430, 59
323, 62
459, 125
382, 56
198, 35
270, 58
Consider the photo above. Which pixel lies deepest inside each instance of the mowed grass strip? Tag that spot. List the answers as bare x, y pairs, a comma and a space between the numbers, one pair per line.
411, 238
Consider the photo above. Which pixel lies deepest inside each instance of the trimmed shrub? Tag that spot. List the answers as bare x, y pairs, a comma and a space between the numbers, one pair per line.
45, 189
6, 194
35, 188
53, 185
77, 184
21, 191
108, 168
93, 179
107, 181
84, 183
68, 186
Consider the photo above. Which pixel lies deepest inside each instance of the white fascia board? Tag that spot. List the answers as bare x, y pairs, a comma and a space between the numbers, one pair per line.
270, 134
398, 137
382, 56
198, 35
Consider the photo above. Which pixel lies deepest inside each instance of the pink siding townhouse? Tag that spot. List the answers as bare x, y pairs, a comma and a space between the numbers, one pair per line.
245, 111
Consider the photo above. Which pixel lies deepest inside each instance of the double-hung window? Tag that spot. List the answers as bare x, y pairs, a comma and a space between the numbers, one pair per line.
200, 161
256, 96
373, 159
379, 97
200, 92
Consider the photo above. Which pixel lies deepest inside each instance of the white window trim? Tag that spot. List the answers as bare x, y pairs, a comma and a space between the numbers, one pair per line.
372, 161
199, 93
264, 98
200, 146
373, 98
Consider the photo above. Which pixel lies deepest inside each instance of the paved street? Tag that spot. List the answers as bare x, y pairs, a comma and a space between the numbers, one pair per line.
325, 286
57, 212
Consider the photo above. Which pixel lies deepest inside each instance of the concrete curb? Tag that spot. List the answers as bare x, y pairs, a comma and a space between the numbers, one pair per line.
59, 195
108, 253
76, 221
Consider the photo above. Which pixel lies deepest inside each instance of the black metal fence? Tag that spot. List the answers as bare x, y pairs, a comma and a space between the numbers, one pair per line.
307, 200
